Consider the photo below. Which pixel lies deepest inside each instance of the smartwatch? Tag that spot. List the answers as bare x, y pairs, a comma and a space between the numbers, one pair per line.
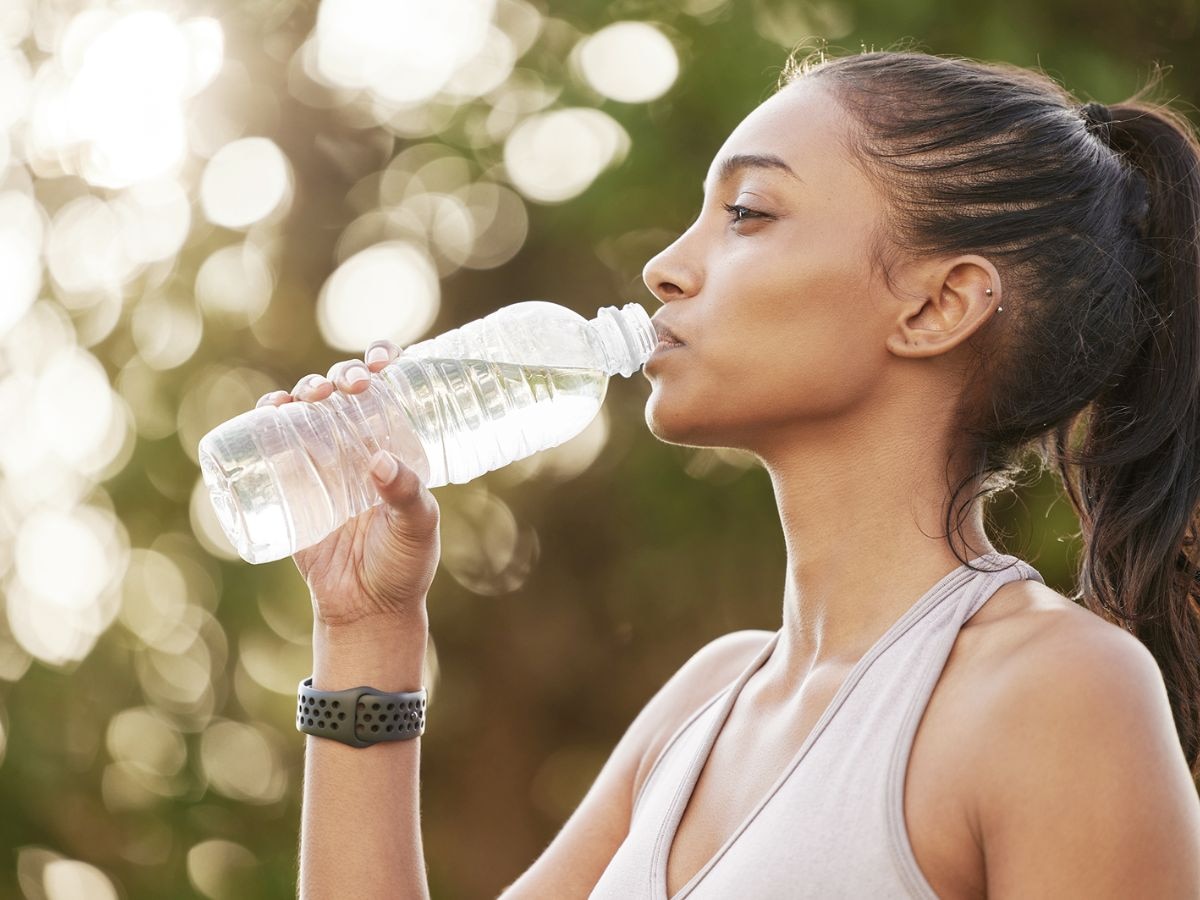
360, 716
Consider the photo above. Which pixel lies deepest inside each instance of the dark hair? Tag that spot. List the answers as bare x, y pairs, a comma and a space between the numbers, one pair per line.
1092, 216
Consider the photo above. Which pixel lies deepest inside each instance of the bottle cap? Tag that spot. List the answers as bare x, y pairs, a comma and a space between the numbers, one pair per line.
627, 335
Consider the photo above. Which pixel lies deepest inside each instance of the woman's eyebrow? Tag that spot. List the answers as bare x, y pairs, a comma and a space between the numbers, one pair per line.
733, 164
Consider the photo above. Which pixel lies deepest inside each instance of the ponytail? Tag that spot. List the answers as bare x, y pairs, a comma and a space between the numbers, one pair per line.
1134, 479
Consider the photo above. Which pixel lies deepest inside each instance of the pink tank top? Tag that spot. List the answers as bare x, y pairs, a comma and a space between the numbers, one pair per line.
832, 825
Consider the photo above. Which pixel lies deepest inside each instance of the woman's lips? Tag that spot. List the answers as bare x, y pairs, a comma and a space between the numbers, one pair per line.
661, 349
665, 334
667, 341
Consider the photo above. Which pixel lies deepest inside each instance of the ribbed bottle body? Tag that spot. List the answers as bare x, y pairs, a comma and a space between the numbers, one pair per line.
283, 477
473, 415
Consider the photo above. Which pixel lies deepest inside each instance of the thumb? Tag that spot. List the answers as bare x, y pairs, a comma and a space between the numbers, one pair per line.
401, 488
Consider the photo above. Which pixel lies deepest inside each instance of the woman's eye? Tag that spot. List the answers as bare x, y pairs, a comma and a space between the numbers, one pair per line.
739, 213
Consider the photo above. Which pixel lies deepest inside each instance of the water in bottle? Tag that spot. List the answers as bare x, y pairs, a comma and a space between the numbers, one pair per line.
527, 377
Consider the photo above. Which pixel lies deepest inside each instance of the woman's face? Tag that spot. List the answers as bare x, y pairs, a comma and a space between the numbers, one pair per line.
771, 288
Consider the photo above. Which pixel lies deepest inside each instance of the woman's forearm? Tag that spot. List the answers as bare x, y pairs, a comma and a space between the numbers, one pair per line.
360, 829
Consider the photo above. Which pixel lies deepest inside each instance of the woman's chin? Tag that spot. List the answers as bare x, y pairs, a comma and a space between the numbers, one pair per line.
677, 428
661, 426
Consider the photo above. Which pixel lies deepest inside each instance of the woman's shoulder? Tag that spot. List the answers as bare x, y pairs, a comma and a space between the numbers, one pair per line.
1070, 724
734, 649
1032, 638
707, 672
1029, 647
1029, 616
715, 665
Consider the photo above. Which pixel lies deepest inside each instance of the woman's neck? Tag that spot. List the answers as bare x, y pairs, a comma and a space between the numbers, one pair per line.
864, 539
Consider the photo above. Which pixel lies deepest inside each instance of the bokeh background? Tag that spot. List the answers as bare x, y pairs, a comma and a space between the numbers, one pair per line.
203, 201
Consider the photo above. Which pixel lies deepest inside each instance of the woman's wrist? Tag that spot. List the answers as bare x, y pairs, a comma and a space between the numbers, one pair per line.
381, 652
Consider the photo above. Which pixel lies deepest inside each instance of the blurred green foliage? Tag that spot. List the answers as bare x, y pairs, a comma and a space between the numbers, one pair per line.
619, 572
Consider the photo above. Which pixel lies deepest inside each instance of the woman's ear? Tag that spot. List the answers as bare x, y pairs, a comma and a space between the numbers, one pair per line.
959, 296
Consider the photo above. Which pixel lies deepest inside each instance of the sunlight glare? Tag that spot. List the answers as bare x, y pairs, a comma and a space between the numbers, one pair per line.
404, 53
110, 105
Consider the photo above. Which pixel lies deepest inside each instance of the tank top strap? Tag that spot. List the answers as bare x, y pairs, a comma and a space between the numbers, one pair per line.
995, 570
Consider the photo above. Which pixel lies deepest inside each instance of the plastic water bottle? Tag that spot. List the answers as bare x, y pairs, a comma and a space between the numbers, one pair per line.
527, 377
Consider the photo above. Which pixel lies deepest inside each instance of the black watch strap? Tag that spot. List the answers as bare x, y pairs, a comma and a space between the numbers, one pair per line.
360, 716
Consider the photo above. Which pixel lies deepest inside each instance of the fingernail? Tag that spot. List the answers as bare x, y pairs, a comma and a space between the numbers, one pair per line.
376, 354
356, 373
384, 466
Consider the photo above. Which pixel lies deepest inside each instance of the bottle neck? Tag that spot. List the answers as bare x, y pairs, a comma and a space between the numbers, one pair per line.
626, 336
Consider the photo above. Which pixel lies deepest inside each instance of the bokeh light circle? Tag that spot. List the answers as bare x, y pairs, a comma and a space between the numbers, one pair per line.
242, 762
245, 181
154, 599
166, 330
73, 879
205, 524
57, 612
501, 223
214, 395
20, 255
206, 43
484, 548
234, 285
487, 69
554, 156
86, 251
632, 62
147, 739
73, 408
155, 218
218, 869
46, 538
389, 291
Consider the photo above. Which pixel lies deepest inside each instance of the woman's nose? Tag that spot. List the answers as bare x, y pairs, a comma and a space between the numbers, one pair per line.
669, 275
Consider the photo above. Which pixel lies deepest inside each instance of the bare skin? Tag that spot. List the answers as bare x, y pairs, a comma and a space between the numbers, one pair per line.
842, 387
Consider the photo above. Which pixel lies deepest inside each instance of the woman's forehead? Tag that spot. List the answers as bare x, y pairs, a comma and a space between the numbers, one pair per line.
800, 125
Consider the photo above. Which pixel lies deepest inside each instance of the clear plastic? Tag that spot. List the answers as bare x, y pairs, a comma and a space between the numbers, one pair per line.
527, 377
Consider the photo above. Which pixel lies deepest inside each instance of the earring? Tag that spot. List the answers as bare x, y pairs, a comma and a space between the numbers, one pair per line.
999, 309
988, 291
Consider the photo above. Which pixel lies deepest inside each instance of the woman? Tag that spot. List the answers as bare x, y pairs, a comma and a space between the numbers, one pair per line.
907, 272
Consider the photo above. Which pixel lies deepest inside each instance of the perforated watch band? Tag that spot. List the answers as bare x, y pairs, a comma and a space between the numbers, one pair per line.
360, 716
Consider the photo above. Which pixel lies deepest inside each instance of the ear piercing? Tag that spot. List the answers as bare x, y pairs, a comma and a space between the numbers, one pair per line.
988, 291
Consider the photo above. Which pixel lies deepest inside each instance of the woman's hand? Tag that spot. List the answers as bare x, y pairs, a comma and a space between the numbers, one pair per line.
374, 570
